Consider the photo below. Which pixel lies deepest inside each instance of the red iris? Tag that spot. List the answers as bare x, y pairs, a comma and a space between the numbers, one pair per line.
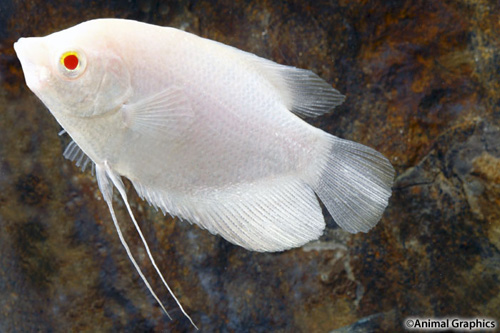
71, 61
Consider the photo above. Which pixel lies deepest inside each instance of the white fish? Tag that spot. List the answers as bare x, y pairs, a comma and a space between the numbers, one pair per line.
205, 132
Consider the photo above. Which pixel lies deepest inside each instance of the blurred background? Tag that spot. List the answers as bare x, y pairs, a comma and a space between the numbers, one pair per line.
422, 82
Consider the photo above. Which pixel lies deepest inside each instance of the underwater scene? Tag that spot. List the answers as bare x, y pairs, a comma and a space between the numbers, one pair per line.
209, 200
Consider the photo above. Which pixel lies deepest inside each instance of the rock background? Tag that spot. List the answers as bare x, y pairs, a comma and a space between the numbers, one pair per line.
422, 81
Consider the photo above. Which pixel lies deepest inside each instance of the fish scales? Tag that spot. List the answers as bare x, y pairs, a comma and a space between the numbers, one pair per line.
206, 132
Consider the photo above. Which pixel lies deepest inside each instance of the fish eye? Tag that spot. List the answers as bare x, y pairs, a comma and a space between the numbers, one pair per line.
72, 64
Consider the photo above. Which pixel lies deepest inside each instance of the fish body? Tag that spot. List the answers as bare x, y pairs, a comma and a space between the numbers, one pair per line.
205, 131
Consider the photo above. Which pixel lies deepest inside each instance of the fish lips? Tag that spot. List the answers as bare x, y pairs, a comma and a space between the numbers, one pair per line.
32, 53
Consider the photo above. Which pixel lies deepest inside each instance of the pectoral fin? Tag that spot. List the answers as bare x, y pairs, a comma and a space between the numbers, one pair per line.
167, 113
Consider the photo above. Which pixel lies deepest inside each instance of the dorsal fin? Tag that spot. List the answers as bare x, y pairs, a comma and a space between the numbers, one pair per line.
304, 92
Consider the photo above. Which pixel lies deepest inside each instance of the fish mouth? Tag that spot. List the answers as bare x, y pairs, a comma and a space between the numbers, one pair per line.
31, 53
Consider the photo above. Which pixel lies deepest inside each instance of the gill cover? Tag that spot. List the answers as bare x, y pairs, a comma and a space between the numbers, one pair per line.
89, 84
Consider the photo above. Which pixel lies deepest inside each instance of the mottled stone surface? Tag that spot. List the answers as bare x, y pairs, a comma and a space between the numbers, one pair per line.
422, 80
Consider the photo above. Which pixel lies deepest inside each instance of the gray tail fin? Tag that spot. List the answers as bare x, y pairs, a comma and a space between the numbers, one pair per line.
355, 184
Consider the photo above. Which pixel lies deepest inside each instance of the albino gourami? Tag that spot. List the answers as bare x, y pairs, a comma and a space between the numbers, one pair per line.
205, 132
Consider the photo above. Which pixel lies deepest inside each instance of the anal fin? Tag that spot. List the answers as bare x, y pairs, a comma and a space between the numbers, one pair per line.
269, 215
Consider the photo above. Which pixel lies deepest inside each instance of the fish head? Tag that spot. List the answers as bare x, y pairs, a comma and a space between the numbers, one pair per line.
75, 72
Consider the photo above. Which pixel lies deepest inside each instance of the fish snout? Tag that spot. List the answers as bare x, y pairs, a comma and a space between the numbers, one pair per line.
31, 54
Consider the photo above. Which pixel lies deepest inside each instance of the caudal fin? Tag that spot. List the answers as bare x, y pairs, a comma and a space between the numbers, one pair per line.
355, 184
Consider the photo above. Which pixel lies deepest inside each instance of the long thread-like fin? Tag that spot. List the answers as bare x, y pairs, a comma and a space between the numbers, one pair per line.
107, 192
121, 189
